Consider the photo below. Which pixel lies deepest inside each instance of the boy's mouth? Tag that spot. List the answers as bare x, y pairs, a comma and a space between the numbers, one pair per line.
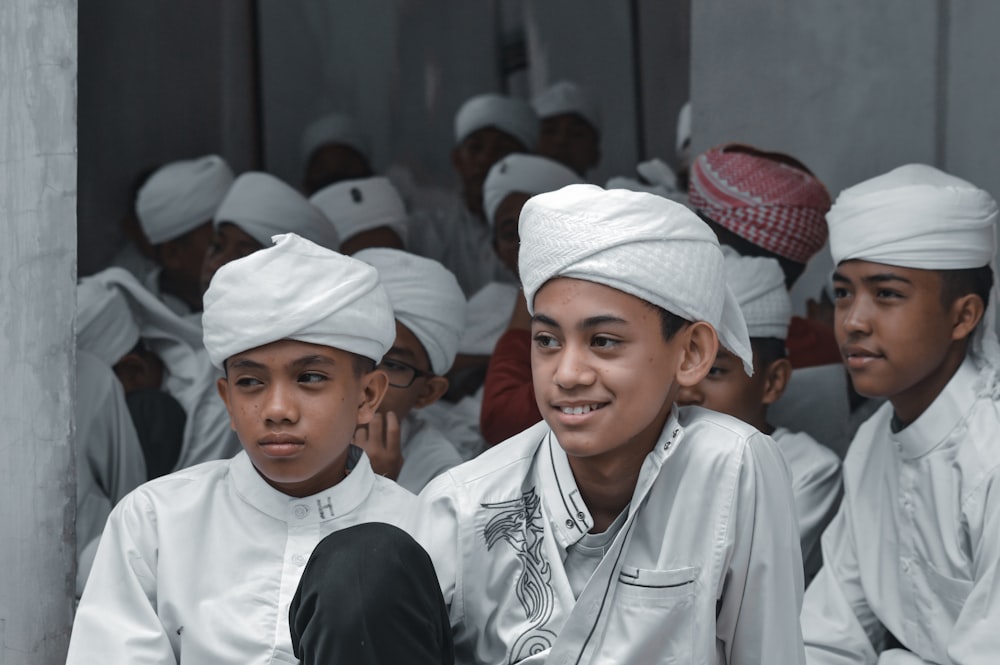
579, 409
281, 445
858, 356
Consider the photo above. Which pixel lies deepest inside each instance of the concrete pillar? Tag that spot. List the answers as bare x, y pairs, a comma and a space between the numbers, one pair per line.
38, 66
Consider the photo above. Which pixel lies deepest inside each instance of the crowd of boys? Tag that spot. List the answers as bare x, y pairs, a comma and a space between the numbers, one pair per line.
543, 422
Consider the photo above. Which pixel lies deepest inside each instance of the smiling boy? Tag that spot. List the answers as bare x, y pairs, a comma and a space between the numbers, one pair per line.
621, 529
911, 559
201, 566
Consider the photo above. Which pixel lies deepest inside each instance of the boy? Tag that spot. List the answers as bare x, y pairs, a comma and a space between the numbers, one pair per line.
430, 315
487, 128
257, 207
570, 129
759, 286
910, 560
768, 204
366, 213
175, 208
333, 149
621, 529
200, 566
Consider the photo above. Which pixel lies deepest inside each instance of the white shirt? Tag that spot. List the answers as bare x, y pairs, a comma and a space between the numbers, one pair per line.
460, 240
109, 458
915, 546
705, 569
200, 566
427, 453
816, 486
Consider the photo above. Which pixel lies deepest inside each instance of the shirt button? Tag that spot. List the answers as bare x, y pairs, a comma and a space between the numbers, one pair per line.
301, 511
570, 524
299, 560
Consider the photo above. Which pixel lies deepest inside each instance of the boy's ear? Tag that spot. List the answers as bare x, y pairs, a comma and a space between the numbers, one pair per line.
222, 385
433, 390
374, 385
776, 376
967, 311
135, 373
700, 344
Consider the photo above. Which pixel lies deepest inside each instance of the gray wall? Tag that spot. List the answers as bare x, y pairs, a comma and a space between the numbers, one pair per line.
853, 89
38, 64
159, 80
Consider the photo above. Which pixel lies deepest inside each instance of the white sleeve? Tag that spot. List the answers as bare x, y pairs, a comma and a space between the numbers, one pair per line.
838, 626
758, 617
437, 530
975, 639
816, 497
116, 622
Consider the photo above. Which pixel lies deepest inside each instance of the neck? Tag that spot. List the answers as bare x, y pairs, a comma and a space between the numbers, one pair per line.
607, 485
911, 403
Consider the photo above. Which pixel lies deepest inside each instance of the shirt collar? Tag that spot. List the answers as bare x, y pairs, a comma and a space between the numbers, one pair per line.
940, 418
567, 513
333, 502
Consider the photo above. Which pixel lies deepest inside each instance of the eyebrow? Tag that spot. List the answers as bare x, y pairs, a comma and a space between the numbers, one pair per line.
589, 322
401, 351
315, 359
879, 278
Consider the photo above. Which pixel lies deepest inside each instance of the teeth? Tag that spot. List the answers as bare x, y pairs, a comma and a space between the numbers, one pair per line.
579, 410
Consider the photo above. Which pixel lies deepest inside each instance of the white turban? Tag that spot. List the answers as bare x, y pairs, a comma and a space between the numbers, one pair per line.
335, 129
425, 297
354, 206
916, 216
566, 97
637, 243
528, 174
182, 196
297, 290
114, 310
264, 206
759, 286
104, 323
509, 115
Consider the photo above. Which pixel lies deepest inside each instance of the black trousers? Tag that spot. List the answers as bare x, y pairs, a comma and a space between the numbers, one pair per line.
369, 596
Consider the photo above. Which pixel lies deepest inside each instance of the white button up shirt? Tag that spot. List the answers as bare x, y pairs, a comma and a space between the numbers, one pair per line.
705, 569
915, 547
200, 566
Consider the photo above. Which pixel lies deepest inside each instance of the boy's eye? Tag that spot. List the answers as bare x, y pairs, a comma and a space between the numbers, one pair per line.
602, 342
247, 382
839, 292
716, 371
546, 341
311, 377
888, 293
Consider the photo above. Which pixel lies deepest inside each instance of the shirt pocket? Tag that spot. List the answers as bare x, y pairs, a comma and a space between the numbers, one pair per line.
652, 618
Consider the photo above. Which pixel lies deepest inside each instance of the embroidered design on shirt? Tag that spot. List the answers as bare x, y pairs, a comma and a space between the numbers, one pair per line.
519, 524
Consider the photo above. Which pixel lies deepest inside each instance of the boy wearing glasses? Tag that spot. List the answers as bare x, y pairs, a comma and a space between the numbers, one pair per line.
430, 316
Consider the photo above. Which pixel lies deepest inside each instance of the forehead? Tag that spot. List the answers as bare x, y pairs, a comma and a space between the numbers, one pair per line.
570, 119
230, 231
490, 133
857, 270
571, 298
285, 351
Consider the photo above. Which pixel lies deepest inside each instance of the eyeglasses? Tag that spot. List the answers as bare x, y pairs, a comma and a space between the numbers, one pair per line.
402, 375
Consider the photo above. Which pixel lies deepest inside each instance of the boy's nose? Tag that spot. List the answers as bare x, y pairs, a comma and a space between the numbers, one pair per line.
856, 318
279, 407
572, 370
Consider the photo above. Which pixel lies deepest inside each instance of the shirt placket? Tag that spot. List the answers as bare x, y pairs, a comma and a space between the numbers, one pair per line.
909, 586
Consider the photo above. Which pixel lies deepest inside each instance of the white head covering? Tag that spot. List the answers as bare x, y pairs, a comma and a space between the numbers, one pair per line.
488, 317
353, 206
638, 243
513, 116
567, 97
916, 216
297, 290
528, 174
759, 286
425, 297
683, 125
181, 196
336, 129
105, 326
263, 206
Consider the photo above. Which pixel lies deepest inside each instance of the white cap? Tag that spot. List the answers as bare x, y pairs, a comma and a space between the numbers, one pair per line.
527, 174
335, 129
354, 206
567, 97
509, 115
181, 196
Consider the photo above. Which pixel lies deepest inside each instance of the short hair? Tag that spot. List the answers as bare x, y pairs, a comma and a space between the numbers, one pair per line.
792, 269
766, 350
670, 323
957, 283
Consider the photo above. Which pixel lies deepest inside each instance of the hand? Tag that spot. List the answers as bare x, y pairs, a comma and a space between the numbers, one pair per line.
380, 441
